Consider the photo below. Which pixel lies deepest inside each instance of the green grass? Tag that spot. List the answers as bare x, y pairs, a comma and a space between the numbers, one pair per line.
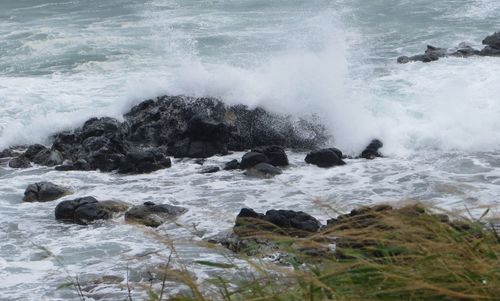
403, 254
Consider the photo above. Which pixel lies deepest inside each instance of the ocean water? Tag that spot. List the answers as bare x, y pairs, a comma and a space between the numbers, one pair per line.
62, 62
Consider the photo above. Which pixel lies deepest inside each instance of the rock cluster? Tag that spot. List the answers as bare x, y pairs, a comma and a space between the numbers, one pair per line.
175, 126
432, 53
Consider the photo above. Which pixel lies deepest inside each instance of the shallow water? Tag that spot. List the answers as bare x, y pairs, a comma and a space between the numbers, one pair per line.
64, 61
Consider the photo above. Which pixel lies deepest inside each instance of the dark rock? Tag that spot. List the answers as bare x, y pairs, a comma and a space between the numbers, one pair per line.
44, 192
232, 165
490, 51
210, 169
188, 148
326, 157
288, 222
34, 150
106, 126
152, 215
371, 151
143, 161
87, 209
48, 157
251, 159
275, 154
263, 170
493, 41
7, 153
20, 162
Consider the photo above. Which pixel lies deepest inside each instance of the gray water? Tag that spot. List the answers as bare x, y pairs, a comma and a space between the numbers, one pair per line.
64, 61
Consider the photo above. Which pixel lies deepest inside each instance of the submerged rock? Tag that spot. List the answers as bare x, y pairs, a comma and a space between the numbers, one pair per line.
326, 157
210, 169
152, 215
87, 209
263, 170
44, 192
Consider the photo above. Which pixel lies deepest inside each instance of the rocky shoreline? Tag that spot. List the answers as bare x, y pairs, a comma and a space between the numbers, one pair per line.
464, 49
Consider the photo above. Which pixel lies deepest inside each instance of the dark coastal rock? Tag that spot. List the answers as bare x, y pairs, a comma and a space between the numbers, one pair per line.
371, 151
432, 53
263, 170
493, 40
232, 165
34, 150
7, 153
44, 192
210, 169
152, 215
251, 159
144, 161
288, 222
20, 162
326, 157
87, 209
183, 127
275, 154
48, 157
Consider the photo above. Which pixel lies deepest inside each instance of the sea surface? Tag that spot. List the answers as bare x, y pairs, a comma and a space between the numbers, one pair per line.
62, 62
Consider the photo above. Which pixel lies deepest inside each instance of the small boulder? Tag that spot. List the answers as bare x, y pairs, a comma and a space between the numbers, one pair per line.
263, 170
232, 165
326, 157
87, 209
371, 151
48, 157
493, 40
7, 153
288, 222
275, 154
152, 215
210, 169
44, 192
251, 159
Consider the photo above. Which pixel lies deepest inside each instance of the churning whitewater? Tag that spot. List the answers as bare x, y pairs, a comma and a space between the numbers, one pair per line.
62, 62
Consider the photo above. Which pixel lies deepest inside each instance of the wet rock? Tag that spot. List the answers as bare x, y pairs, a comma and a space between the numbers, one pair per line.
20, 162
7, 153
34, 150
44, 192
288, 222
232, 165
143, 161
48, 157
275, 154
181, 126
493, 40
432, 53
87, 209
152, 215
210, 169
263, 170
326, 157
371, 151
251, 159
